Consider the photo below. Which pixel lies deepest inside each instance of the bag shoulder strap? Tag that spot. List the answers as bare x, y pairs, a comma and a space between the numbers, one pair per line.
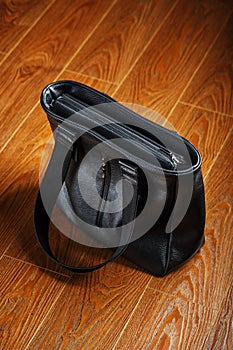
42, 215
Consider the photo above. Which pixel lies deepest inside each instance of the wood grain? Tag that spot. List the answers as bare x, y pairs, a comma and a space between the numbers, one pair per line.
206, 278
99, 84
213, 84
2, 55
163, 71
93, 317
221, 334
164, 322
16, 17
40, 57
202, 129
119, 306
23, 306
110, 52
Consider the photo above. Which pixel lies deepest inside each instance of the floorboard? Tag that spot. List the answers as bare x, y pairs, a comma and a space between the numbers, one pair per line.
39, 58
174, 58
23, 305
110, 52
16, 18
206, 277
95, 318
212, 86
221, 333
202, 129
96, 83
164, 322
167, 65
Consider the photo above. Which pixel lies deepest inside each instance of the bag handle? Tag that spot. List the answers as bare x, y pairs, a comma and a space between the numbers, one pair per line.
42, 215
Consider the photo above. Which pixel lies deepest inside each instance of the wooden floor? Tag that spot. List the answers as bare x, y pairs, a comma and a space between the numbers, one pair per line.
175, 57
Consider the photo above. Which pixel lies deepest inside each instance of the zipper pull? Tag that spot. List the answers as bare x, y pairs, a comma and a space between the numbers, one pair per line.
177, 159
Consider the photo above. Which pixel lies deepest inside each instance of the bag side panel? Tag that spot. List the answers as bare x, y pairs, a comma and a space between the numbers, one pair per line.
188, 237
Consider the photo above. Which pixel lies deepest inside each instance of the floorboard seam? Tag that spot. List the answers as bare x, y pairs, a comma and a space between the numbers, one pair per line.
37, 266
217, 155
86, 39
91, 77
205, 109
219, 311
19, 127
131, 315
46, 315
147, 45
199, 65
27, 31
6, 249
183, 298
57, 77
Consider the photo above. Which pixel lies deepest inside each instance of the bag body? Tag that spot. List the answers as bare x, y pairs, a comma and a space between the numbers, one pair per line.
162, 168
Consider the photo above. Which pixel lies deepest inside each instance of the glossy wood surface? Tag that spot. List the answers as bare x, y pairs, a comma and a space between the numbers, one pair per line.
174, 57
214, 91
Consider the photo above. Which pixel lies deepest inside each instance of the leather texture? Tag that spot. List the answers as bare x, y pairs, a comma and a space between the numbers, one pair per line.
157, 251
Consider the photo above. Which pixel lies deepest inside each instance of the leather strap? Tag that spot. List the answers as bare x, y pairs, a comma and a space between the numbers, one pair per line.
42, 215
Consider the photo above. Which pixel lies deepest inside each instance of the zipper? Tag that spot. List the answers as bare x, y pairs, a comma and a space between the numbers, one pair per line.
106, 178
162, 152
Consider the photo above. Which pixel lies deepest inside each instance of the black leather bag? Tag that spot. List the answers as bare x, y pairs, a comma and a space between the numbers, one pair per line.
158, 217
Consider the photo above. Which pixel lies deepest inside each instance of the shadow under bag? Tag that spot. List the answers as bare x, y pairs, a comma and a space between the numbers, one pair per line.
123, 181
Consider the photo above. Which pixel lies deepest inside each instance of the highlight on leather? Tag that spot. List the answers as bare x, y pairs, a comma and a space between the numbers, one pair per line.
123, 181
